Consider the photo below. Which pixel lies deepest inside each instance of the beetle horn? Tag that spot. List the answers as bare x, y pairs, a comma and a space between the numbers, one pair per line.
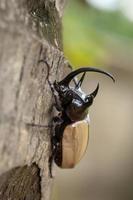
94, 93
70, 76
78, 85
89, 98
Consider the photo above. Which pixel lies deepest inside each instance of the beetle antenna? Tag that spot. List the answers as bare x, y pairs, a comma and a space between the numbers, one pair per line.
78, 85
39, 125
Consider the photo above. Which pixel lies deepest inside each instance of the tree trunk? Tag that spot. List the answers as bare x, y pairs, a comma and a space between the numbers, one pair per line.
30, 30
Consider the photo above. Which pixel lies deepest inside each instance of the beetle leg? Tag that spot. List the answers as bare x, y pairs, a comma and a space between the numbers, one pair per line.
51, 159
50, 166
38, 125
57, 120
55, 141
53, 154
54, 148
57, 105
57, 102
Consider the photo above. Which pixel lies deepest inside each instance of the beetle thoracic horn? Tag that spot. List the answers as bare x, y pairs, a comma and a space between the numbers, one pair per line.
70, 76
94, 93
89, 98
78, 85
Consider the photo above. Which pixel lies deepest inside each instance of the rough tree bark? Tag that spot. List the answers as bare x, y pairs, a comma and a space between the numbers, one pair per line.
30, 30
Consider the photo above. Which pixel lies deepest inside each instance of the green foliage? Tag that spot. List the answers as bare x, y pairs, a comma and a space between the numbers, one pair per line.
87, 30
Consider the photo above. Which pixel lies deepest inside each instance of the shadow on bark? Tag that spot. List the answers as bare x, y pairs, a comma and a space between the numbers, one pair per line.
21, 183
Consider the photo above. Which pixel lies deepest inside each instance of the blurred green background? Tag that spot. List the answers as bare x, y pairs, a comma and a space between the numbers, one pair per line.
100, 33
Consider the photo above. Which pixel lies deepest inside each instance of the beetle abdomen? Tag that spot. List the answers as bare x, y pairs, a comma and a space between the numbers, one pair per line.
74, 143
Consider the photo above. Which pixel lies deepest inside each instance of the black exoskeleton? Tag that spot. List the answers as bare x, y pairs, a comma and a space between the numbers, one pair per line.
72, 104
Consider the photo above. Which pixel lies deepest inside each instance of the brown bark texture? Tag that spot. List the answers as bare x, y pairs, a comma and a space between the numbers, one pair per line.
30, 30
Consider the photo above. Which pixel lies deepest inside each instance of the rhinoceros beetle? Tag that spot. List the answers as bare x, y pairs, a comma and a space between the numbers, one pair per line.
71, 127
